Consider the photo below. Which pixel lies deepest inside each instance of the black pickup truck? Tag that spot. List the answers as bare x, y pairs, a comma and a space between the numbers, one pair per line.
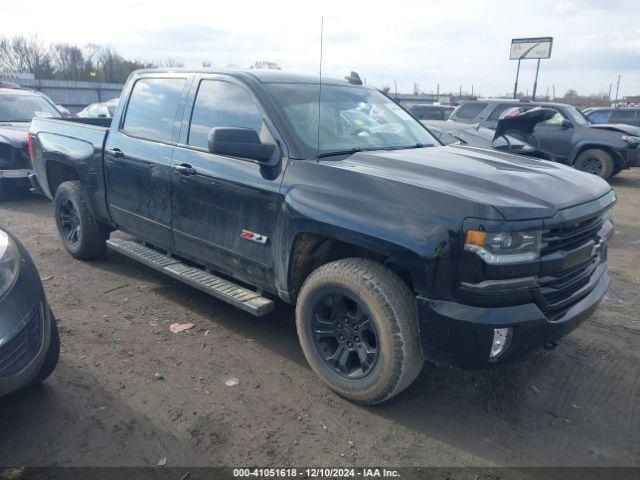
254, 186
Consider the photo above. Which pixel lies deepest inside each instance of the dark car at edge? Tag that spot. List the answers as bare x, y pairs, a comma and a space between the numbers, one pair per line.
29, 342
258, 186
17, 108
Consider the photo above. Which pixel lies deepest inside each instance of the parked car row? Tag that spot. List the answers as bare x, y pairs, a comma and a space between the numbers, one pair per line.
392, 247
603, 150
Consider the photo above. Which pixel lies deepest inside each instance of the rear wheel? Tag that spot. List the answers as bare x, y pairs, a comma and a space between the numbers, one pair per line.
81, 234
357, 325
595, 161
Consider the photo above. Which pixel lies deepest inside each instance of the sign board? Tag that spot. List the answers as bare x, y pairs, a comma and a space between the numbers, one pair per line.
531, 48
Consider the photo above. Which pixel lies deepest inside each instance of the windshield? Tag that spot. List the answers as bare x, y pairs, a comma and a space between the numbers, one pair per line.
22, 108
576, 116
351, 118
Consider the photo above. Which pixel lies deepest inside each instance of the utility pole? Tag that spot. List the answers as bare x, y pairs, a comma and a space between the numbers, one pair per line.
460, 92
617, 89
609, 97
554, 92
438, 94
515, 87
535, 82
472, 89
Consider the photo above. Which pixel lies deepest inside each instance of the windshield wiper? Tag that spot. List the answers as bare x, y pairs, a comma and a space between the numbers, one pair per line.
408, 147
351, 151
335, 153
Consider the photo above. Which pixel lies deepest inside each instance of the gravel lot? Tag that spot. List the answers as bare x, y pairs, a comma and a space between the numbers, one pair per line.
105, 405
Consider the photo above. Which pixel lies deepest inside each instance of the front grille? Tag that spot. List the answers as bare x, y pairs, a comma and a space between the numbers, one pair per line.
562, 287
571, 235
16, 354
565, 288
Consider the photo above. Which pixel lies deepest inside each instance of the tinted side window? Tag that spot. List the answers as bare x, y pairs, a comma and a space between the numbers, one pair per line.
152, 107
470, 110
599, 116
224, 104
622, 116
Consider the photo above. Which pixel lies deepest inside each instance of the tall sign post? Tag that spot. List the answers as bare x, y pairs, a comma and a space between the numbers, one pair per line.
530, 49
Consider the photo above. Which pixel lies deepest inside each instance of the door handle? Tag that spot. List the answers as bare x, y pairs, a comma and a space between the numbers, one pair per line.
114, 152
184, 169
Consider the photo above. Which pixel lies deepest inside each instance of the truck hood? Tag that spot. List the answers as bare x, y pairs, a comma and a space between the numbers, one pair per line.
14, 133
519, 188
618, 127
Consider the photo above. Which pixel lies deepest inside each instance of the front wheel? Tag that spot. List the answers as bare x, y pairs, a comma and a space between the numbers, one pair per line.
595, 161
357, 325
81, 234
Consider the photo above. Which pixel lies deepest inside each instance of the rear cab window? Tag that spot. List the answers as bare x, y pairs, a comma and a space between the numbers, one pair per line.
152, 108
470, 110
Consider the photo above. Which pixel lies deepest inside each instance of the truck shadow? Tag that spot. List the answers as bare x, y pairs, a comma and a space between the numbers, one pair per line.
27, 202
490, 414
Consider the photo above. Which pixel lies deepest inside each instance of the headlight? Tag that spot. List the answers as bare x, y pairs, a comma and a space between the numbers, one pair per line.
9, 262
504, 247
633, 141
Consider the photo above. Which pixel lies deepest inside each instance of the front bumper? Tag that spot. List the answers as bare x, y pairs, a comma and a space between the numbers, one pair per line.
462, 335
25, 330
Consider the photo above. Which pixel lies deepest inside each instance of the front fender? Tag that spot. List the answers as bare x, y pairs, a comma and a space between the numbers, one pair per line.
411, 226
616, 150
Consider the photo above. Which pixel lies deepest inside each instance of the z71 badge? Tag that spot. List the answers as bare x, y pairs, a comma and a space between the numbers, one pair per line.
254, 237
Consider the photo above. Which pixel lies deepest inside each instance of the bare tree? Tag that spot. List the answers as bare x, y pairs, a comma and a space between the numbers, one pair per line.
25, 54
69, 62
171, 63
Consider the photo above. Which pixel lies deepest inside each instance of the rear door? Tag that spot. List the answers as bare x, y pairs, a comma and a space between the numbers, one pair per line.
217, 198
138, 154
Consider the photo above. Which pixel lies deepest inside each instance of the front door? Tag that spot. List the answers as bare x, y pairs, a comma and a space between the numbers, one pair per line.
555, 136
225, 208
138, 159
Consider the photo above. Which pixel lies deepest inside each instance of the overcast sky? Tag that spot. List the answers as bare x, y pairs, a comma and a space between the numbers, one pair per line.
454, 43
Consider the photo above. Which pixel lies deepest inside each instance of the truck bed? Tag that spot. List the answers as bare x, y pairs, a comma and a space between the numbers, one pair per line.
75, 145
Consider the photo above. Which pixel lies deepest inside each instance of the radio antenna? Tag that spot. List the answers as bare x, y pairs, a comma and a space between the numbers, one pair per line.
320, 88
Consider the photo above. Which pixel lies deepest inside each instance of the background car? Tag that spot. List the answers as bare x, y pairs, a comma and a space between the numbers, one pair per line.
626, 115
17, 107
602, 150
29, 340
476, 136
431, 112
99, 110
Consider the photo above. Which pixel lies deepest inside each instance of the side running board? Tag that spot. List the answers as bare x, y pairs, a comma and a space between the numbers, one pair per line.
222, 289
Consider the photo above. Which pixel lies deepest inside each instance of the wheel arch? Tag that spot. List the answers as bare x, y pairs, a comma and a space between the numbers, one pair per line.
311, 248
618, 159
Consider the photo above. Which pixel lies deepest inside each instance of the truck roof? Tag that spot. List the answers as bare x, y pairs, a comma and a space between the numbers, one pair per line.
263, 76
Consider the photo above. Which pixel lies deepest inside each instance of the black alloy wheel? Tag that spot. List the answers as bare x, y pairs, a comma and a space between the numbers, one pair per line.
70, 222
344, 335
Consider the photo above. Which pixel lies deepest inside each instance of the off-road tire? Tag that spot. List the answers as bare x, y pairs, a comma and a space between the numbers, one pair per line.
393, 312
53, 354
607, 164
93, 237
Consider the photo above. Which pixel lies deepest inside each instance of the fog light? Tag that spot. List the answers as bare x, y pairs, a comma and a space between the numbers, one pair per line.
501, 339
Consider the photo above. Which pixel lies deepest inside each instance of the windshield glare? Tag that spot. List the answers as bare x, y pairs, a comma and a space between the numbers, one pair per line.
350, 118
22, 108
576, 116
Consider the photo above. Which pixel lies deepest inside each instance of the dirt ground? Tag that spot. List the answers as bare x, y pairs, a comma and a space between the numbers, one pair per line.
104, 406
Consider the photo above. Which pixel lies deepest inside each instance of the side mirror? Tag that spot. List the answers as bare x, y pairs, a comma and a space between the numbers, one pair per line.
566, 124
239, 142
102, 115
